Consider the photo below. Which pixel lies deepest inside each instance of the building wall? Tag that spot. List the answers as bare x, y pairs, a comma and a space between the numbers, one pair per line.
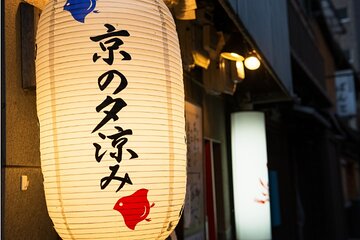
38, 3
267, 23
348, 40
284, 219
329, 65
356, 17
24, 214
215, 128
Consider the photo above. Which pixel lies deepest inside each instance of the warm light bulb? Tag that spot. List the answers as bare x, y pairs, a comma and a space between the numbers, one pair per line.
235, 55
252, 63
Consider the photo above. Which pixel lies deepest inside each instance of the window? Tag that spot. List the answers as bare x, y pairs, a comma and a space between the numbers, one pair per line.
349, 55
342, 14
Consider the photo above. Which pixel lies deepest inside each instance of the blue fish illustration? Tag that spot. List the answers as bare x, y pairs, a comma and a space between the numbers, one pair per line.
79, 9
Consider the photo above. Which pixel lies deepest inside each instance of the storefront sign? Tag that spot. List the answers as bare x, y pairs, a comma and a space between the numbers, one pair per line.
345, 93
250, 176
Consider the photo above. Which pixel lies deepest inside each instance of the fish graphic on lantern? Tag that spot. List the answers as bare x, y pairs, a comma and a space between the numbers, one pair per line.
79, 9
134, 208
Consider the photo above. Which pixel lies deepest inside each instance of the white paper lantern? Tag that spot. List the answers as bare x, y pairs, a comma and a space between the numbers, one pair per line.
250, 176
110, 103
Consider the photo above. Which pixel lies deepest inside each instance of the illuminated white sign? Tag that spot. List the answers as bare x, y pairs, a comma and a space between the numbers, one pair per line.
250, 176
345, 93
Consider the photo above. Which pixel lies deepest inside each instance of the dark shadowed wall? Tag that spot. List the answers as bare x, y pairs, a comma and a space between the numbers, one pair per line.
24, 214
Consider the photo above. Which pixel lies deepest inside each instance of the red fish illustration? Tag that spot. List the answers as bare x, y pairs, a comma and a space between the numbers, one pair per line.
134, 208
264, 197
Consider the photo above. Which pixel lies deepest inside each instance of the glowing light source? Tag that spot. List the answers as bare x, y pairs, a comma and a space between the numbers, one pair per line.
252, 62
240, 69
232, 56
250, 176
200, 59
110, 103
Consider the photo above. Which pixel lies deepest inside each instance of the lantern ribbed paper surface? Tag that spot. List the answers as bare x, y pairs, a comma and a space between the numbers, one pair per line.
110, 103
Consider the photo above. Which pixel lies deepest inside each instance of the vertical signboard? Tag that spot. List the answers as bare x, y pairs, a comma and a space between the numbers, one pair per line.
250, 176
345, 93
194, 203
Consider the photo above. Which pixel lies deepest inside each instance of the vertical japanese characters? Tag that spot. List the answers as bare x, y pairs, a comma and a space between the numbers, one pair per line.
110, 43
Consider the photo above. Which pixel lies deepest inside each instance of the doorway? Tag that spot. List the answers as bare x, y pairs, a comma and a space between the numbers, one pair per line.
212, 168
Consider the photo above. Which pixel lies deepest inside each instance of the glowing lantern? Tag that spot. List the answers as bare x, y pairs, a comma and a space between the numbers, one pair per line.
110, 103
250, 176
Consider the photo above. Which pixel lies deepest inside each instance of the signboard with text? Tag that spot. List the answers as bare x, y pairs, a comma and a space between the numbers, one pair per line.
345, 93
